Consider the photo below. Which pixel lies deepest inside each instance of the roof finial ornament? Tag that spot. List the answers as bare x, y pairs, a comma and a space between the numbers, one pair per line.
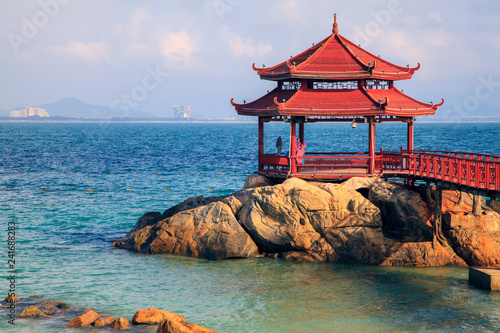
335, 25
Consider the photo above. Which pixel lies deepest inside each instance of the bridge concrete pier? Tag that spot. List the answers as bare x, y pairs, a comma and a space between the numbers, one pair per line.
485, 277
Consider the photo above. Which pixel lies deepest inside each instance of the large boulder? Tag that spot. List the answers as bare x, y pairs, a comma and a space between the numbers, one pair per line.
210, 232
327, 222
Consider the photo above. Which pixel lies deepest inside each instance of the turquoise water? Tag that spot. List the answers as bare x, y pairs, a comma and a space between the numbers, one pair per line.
65, 232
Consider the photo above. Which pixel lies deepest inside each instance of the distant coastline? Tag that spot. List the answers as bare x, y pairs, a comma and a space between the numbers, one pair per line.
190, 121
123, 120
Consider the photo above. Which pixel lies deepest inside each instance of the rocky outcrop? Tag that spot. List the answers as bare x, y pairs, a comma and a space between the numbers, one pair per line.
363, 220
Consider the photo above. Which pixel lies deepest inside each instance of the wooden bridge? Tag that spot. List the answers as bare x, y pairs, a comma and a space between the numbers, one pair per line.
471, 172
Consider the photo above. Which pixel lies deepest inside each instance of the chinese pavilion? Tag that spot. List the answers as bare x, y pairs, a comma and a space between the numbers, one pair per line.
335, 80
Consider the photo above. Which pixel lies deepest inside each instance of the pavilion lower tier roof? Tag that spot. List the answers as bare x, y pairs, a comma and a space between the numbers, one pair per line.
333, 103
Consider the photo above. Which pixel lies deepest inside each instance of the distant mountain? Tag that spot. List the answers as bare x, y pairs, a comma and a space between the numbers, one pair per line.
4, 113
73, 108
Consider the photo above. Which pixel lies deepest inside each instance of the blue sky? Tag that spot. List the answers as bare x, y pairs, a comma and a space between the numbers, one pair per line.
151, 55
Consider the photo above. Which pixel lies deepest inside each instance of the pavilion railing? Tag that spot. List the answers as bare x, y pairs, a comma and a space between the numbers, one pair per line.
480, 171
317, 163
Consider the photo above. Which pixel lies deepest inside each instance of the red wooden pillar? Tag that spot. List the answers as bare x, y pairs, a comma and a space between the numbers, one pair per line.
371, 145
293, 146
261, 141
410, 134
301, 132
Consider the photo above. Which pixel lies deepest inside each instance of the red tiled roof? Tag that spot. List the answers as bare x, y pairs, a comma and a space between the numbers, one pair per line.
336, 57
339, 102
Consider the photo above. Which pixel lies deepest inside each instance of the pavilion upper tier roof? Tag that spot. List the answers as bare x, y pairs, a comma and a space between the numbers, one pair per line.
336, 57
336, 103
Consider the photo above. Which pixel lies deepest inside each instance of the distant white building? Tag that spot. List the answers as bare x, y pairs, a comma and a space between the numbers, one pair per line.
182, 111
28, 112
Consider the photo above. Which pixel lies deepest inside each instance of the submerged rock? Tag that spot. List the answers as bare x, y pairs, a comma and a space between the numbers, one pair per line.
363, 220
101, 322
32, 311
84, 320
172, 325
11, 299
120, 324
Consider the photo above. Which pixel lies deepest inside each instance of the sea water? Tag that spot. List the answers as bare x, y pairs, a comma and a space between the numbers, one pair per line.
74, 188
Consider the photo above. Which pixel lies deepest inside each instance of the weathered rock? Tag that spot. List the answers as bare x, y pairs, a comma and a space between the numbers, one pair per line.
120, 324
495, 205
456, 201
11, 299
476, 239
190, 203
357, 183
174, 326
210, 232
154, 316
276, 216
84, 320
32, 311
313, 221
50, 312
405, 215
254, 181
423, 254
101, 322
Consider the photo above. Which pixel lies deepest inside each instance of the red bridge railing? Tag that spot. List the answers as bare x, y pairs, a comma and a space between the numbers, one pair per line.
480, 171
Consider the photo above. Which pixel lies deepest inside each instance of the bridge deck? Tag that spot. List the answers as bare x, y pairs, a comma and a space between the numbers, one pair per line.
471, 170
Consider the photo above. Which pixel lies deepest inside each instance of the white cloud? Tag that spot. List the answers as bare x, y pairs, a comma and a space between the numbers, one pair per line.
91, 51
139, 16
401, 45
436, 17
239, 47
178, 47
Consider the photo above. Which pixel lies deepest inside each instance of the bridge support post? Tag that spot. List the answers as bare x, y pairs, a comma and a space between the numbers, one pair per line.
428, 193
476, 205
438, 215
